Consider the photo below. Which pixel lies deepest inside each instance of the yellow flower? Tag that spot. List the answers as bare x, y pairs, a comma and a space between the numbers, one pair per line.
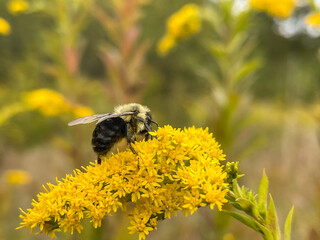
277, 8
139, 224
17, 6
193, 178
181, 24
184, 22
17, 177
5, 28
48, 102
165, 44
228, 236
313, 19
153, 222
192, 201
213, 196
52, 103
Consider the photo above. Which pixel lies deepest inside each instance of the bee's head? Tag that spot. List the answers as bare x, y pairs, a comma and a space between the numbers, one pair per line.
139, 122
139, 111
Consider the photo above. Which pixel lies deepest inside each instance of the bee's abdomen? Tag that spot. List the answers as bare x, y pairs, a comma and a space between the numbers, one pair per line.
107, 133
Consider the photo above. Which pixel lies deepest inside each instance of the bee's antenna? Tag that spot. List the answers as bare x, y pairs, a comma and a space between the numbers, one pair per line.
155, 123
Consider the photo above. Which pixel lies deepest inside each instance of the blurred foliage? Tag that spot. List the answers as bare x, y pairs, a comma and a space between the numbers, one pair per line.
248, 75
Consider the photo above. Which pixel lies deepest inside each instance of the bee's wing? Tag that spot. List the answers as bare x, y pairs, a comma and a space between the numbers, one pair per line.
87, 119
97, 117
114, 115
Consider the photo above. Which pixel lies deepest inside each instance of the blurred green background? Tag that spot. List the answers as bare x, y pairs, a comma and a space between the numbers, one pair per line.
252, 77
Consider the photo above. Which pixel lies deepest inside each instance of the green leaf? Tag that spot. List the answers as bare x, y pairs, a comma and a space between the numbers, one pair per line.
272, 220
236, 188
236, 43
243, 204
267, 235
248, 68
287, 225
218, 50
263, 195
251, 223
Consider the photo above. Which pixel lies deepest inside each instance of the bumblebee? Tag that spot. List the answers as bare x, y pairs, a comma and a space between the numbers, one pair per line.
127, 121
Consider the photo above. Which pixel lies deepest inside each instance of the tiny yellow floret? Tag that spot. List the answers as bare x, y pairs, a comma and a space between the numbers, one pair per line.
179, 170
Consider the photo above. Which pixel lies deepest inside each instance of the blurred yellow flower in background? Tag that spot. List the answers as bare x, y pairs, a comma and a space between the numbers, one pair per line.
17, 6
228, 236
48, 102
17, 177
165, 44
313, 19
82, 111
178, 170
184, 22
181, 24
5, 28
52, 103
277, 8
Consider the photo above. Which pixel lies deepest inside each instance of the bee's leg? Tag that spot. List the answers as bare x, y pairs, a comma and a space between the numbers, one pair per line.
132, 149
155, 123
99, 159
149, 129
129, 140
129, 143
147, 137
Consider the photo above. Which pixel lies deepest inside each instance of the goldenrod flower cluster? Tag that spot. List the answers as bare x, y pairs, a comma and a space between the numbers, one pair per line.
313, 19
277, 8
52, 103
180, 25
178, 170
